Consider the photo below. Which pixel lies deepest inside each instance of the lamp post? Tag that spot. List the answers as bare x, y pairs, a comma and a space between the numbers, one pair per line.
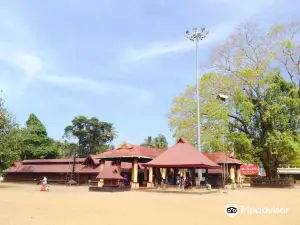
223, 98
195, 36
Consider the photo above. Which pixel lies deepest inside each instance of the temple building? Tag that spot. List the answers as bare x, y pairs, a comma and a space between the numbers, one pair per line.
136, 164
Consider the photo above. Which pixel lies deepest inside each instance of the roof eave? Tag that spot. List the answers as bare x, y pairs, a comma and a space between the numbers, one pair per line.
200, 166
116, 157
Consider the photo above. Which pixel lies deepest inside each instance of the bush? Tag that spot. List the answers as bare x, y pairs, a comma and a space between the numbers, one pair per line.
265, 180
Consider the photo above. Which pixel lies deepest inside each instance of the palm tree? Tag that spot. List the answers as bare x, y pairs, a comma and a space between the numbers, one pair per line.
158, 142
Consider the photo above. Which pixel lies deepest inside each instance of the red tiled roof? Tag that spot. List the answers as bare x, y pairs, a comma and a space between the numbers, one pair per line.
39, 161
182, 154
109, 173
129, 150
92, 158
19, 167
17, 163
222, 157
43, 168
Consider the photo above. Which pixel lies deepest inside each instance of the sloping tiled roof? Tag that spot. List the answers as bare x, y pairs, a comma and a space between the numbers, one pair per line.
129, 150
17, 163
19, 167
182, 155
40, 161
43, 168
109, 173
222, 157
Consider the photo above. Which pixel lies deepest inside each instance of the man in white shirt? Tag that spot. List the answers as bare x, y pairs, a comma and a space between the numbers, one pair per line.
45, 180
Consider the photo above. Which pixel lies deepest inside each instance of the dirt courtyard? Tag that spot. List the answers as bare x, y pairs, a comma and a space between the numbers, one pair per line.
24, 204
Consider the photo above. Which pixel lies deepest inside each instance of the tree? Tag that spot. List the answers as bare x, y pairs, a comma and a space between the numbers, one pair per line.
67, 149
158, 142
260, 120
11, 139
37, 143
93, 136
271, 123
287, 48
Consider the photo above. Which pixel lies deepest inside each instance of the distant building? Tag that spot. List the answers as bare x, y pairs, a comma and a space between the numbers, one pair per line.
289, 171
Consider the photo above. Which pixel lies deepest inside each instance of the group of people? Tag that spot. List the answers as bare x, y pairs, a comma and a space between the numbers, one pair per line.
180, 181
183, 183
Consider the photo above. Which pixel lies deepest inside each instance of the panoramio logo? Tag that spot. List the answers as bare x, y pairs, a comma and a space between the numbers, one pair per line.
233, 210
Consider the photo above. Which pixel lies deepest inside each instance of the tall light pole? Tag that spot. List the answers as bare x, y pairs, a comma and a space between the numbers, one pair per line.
224, 98
195, 36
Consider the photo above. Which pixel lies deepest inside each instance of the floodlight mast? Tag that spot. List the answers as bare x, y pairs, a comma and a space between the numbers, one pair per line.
224, 98
196, 36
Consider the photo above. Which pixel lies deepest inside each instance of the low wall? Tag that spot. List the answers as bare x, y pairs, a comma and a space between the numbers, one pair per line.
109, 189
269, 185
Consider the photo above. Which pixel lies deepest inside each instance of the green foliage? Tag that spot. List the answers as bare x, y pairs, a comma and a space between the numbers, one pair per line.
11, 141
35, 126
275, 180
158, 142
295, 162
261, 118
67, 149
36, 142
183, 118
93, 136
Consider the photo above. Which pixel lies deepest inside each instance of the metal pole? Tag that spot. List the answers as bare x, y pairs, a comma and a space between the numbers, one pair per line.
198, 111
196, 36
198, 100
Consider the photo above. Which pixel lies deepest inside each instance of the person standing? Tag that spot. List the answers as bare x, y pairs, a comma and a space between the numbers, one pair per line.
44, 184
45, 180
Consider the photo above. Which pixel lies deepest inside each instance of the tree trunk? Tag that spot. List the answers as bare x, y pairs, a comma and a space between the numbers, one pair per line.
270, 167
271, 172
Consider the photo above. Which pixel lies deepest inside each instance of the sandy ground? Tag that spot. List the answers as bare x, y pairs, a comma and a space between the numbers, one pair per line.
23, 204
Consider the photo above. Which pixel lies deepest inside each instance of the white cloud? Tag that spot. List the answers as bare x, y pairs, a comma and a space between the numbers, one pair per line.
34, 69
156, 49
21, 55
241, 12
26, 63
94, 86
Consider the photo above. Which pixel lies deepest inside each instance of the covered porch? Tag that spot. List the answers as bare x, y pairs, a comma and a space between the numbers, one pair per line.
181, 161
230, 167
136, 155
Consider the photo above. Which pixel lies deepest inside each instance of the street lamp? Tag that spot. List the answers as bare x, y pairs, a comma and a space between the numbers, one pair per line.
223, 98
195, 36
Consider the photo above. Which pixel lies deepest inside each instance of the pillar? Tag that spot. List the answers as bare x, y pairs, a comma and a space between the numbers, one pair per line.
192, 172
238, 175
150, 180
206, 173
184, 173
163, 173
199, 178
101, 181
181, 172
119, 169
134, 174
232, 175
145, 176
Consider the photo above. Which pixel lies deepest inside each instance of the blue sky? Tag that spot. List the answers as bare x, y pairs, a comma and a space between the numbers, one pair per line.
120, 61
